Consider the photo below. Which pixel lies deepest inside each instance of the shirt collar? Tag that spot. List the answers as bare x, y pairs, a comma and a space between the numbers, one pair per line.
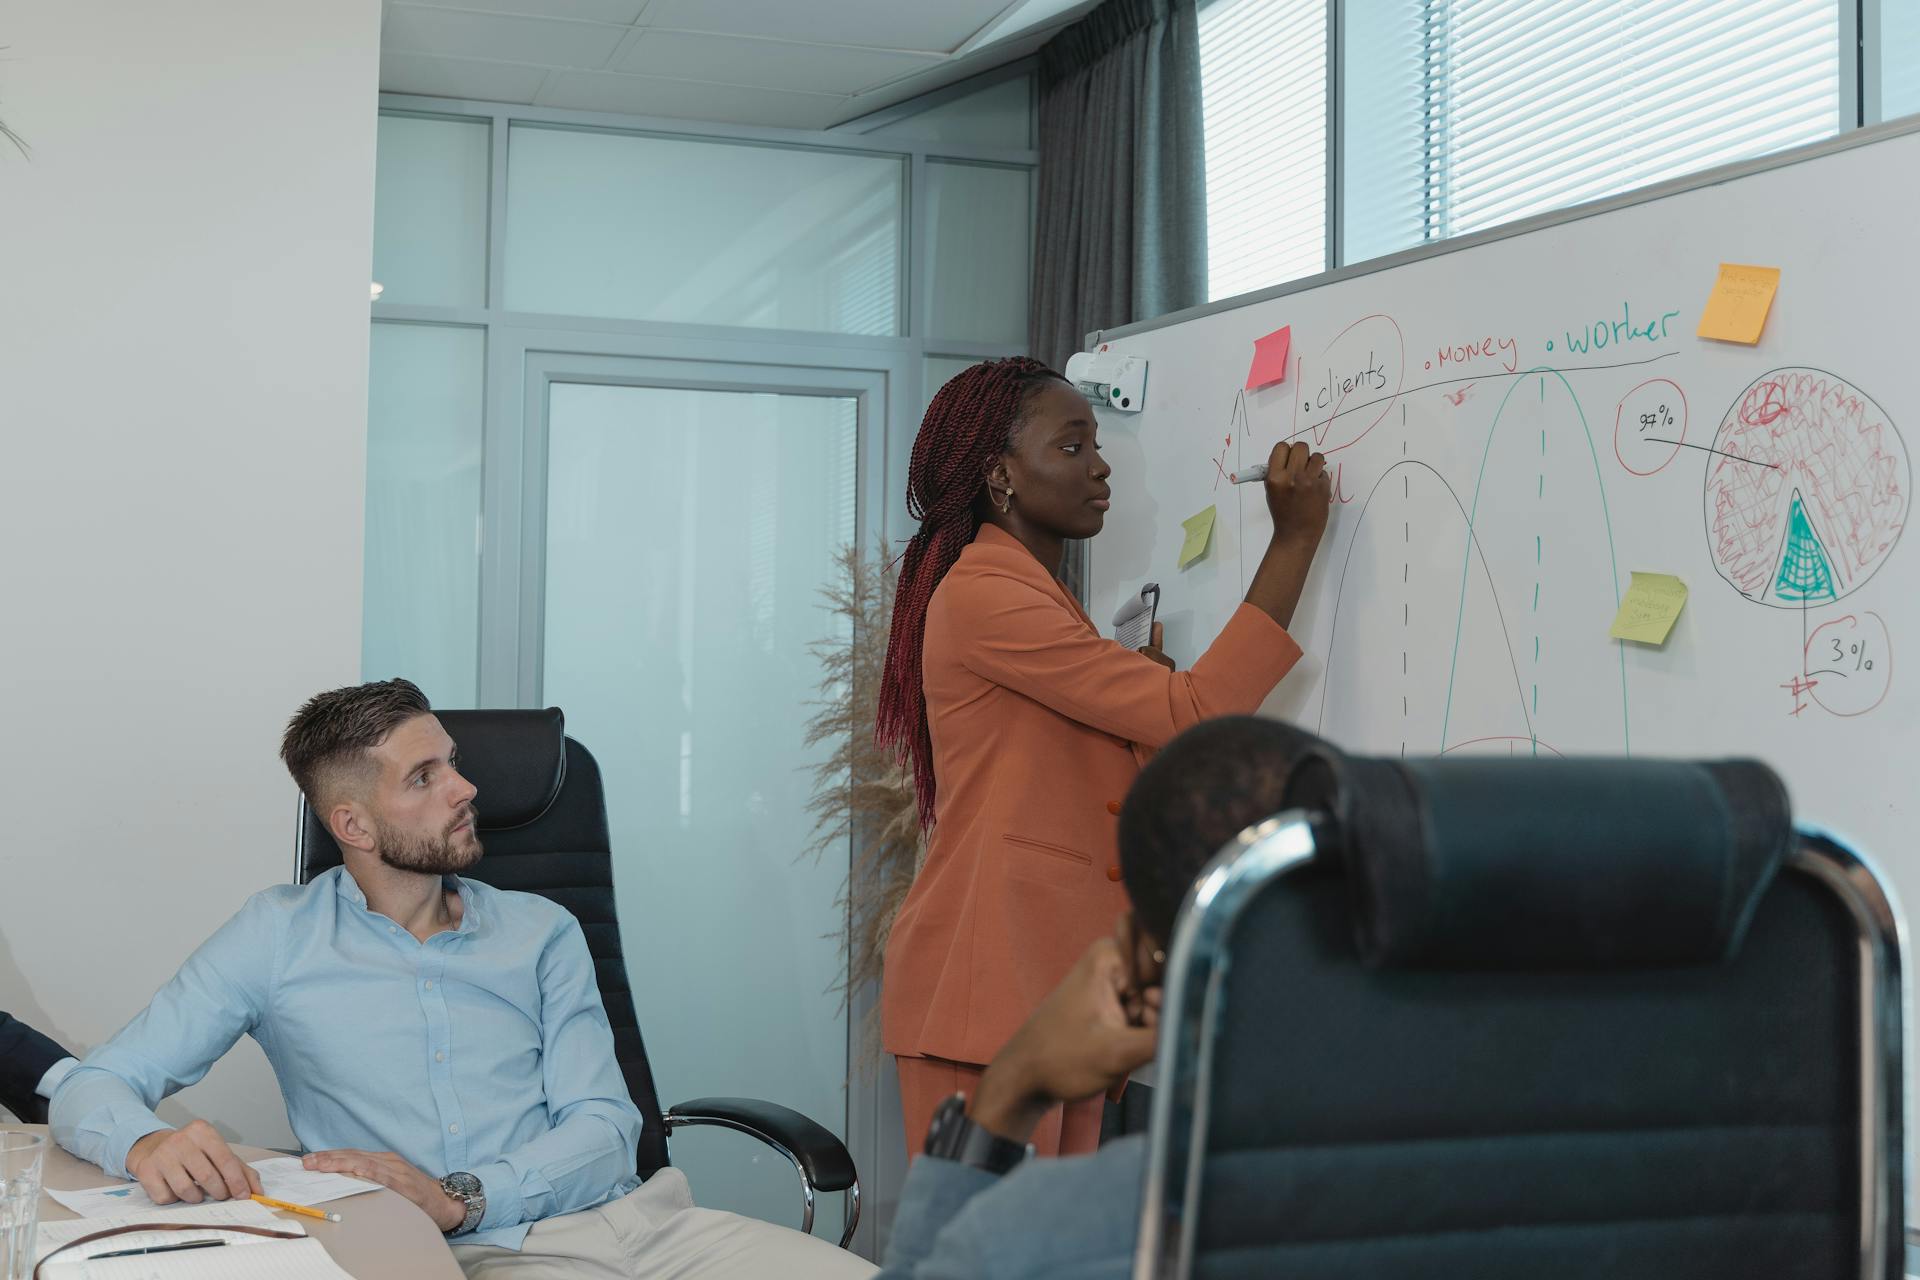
349, 888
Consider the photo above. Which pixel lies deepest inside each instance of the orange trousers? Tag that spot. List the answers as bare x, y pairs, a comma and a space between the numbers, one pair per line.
1071, 1129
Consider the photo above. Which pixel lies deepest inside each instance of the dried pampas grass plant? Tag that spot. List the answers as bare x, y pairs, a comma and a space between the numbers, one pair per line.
860, 792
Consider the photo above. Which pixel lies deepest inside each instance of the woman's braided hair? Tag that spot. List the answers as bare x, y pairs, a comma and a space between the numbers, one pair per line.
969, 424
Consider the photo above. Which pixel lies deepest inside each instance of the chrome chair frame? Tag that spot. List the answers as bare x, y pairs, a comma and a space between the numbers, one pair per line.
1199, 958
678, 1119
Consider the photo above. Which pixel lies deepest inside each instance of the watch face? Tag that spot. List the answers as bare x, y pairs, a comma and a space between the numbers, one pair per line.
464, 1185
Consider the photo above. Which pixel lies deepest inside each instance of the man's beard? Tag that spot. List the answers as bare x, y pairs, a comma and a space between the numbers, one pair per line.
433, 855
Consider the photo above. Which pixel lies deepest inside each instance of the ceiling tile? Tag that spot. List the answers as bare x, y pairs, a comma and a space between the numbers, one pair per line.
897, 91
455, 33
459, 78
930, 26
689, 100
771, 64
619, 12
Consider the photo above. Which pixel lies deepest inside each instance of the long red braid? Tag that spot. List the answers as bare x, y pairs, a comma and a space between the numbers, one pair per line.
968, 425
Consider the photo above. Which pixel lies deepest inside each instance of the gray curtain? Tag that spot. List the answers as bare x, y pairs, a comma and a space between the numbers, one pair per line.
1122, 220
1122, 228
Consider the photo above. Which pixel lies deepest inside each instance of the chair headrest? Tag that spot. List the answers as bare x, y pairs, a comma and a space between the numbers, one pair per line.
1561, 863
515, 759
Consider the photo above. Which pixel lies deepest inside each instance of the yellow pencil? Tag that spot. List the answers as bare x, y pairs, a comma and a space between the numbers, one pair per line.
304, 1210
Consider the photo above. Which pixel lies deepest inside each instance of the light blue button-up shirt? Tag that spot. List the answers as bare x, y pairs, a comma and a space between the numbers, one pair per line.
484, 1049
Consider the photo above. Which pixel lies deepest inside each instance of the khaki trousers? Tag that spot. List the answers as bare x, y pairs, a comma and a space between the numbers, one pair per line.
655, 1232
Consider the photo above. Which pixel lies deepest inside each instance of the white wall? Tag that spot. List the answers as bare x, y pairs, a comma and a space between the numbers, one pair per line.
183, 365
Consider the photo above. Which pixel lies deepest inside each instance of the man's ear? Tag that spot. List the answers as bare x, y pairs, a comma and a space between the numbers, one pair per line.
350, 827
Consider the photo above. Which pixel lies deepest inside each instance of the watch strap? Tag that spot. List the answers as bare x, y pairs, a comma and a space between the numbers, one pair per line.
955, 1136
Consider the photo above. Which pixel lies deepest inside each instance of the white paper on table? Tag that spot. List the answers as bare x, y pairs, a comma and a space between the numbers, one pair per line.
228, 1213
281, 1178
277, 1260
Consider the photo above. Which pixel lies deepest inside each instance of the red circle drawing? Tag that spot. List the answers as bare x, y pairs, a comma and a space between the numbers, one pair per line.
1362, 370
1516, 743
1849, 664
1806, 489
1650, 426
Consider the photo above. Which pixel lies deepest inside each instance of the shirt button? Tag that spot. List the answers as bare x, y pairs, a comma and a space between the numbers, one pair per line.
1113, 874
1113, 807
429, 984
453, 1128
439, 1055
393, 928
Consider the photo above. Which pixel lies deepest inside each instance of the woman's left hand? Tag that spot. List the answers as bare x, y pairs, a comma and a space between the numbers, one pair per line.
1154, 651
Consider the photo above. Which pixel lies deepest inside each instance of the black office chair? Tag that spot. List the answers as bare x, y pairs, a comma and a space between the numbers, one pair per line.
543, 817
1511, 1019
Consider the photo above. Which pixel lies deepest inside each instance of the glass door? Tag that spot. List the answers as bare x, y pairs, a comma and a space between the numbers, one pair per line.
686, 527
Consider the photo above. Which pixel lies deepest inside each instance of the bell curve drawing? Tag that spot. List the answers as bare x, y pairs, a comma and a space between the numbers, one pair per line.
1477, 594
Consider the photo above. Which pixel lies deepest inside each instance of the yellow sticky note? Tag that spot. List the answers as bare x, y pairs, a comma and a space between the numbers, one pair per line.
1737, 307
1648, 611
1199, 532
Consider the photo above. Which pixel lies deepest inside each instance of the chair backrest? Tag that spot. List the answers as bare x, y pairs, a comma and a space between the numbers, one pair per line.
1357, 1080
543, 819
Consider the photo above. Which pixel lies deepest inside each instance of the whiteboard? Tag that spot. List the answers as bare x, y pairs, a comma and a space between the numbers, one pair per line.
1518, 422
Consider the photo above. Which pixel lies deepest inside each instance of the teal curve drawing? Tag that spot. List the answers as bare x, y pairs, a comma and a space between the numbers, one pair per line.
1626, 737
1805, 572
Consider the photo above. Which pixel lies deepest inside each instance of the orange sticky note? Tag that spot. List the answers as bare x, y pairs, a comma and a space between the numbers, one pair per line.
1270, 358
1737, 308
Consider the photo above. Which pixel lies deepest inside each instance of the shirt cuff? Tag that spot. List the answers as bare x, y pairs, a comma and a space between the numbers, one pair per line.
124, 1135
506, 1206
55, 1074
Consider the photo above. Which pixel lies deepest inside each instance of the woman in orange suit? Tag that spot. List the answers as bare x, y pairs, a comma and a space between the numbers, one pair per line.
1024, 727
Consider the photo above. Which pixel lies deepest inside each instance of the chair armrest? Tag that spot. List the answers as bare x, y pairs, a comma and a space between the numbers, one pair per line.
822, 1159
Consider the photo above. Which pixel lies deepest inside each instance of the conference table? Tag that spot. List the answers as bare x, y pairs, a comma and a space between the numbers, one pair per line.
383, 1235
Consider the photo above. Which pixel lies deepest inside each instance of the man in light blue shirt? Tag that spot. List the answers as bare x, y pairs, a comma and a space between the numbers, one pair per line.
430, 1033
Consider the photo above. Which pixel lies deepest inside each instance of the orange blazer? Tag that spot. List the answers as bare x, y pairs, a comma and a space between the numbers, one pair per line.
1039, 727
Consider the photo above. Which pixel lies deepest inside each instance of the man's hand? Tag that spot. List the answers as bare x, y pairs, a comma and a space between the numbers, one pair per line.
190, 1164
389, 1170
1087, 1036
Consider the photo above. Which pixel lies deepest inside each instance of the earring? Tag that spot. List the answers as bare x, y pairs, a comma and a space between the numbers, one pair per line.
1005, 504
1159, 957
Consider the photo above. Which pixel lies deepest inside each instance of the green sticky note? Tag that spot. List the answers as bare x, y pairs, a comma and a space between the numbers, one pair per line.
1199, 532
1648, 611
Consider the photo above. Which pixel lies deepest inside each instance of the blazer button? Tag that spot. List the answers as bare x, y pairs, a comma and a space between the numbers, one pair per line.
1113, 874
1113, 807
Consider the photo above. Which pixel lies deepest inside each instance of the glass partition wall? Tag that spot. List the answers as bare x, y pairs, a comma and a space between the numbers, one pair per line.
634, 384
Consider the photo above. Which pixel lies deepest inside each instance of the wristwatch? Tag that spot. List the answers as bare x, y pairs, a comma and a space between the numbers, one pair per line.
954, 1136
466, 1188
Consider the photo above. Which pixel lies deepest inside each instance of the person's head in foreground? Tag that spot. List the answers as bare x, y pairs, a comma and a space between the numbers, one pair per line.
383, 776
1100, 1023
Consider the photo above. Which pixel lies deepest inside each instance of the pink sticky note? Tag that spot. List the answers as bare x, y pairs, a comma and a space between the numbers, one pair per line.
1270, 358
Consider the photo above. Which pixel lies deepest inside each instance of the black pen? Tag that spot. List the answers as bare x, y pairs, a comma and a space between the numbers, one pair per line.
159, 1248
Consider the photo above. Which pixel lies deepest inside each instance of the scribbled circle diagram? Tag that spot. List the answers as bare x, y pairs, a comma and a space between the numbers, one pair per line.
1806, 490
1650, 426
1849, 664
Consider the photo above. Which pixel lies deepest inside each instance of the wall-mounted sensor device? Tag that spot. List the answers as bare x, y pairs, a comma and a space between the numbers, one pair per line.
1109, 379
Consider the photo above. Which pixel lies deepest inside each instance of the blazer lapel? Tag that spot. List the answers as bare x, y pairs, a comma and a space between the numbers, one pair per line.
1034, 571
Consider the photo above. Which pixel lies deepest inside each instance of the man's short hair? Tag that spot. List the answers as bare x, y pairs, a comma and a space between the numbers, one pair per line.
329, 742
1204, 788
